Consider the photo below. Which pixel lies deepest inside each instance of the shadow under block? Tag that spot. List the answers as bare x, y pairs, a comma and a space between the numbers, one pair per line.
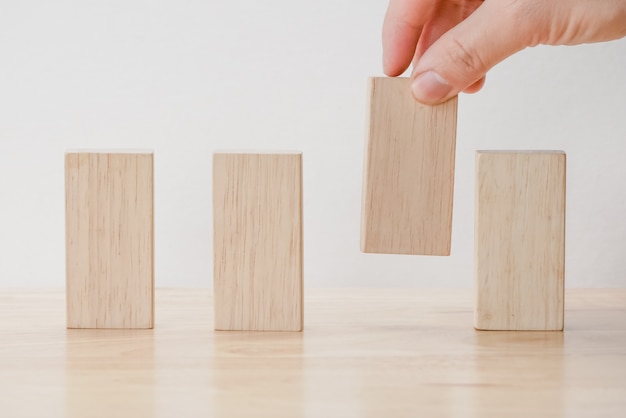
519, 240
257, 209
109, 240
408, 179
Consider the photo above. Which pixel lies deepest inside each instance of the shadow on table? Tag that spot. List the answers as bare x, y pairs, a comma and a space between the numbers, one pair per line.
258, 371
109, 373
518, 371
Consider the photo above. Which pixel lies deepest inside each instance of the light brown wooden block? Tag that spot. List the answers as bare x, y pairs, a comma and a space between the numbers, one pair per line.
257, 213
519, 240
409, 172
109, 240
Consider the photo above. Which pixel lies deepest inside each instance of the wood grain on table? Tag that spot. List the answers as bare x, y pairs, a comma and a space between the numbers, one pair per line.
363, 353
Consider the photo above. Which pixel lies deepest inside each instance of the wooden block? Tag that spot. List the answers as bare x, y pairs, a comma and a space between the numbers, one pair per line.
257, 213
519, 240
409, 172
109, 240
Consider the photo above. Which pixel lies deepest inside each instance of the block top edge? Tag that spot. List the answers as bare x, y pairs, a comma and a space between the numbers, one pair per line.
109, 151
520, 152
256, 152
384, 77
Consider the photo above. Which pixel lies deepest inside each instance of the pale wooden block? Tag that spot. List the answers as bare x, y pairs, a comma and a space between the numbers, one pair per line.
519, 240
109, 240
257, 210
409, 172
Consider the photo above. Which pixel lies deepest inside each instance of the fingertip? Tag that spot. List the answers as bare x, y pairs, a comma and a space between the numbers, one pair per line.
402, 28
397, 55
475, 87
464, 54
430, 88
392, 69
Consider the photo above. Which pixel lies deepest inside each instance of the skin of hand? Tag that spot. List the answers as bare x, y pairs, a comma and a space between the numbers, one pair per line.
453, 43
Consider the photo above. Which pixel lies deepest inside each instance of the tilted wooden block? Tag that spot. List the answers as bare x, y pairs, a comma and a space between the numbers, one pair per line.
409, 172
519, 240
109, 240
257, 213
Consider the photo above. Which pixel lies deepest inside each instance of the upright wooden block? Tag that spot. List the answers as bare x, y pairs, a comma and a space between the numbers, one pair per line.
409, 172
109, 240
519, 240
257, 210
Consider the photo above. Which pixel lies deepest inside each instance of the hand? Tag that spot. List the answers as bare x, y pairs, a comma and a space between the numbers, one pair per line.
453, 43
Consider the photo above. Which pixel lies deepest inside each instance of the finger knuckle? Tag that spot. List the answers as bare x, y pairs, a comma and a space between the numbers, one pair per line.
467, 59
527, 17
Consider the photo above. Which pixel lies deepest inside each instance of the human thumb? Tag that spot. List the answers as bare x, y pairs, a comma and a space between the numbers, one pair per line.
463, 55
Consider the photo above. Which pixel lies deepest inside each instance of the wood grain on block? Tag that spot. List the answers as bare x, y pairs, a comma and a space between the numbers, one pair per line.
257, 209
520, 240
409, 172
109, 240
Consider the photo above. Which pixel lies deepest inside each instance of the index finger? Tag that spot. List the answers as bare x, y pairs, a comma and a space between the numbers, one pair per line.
402, 28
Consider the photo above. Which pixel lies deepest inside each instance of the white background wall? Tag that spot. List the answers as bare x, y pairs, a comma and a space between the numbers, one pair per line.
188, 77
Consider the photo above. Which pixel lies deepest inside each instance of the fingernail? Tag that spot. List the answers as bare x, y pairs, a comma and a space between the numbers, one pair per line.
430, 88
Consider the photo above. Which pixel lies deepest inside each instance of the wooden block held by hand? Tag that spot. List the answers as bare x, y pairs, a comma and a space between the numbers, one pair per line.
257, 215
519, 240
409, 172
109, 240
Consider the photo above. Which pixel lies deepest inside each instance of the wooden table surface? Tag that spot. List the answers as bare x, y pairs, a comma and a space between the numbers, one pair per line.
364, 353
